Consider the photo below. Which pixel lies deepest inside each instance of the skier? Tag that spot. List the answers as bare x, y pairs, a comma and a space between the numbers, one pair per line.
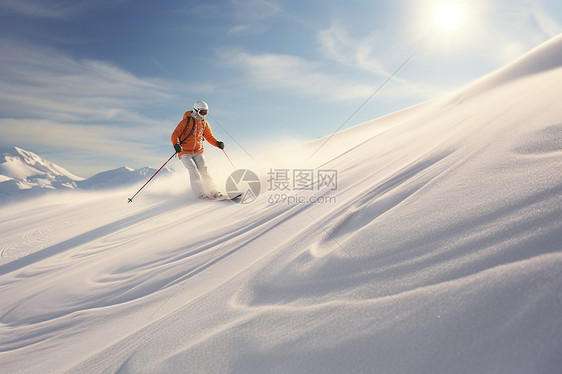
187, 139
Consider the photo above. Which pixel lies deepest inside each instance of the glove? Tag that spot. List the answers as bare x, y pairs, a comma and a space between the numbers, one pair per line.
220, 145
178, 147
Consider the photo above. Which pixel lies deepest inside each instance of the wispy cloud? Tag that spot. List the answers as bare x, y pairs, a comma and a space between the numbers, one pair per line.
53, 8
293, 75
43, 83
50, 100
85, 150
240, 17
252, 16
358, 52
101, 139
495, 35
297, 76
514, 30
377, 54
545, 22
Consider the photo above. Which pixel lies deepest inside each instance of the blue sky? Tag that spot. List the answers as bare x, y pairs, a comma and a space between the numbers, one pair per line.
95, 85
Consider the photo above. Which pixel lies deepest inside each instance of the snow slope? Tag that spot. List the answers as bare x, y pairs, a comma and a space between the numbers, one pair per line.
440, 254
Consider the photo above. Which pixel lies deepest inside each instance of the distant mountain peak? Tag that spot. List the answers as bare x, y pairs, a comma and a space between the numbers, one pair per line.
23, 172
18, 163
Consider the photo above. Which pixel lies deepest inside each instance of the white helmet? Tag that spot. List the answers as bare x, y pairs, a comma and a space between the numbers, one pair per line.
200, 109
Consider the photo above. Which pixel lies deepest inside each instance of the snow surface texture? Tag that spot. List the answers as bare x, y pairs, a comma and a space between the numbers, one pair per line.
442, 254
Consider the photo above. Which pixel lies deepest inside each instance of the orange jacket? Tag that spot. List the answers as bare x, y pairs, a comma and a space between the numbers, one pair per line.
193, 143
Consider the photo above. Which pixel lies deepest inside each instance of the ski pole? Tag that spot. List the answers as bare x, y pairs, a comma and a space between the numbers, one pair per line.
229, 159
131, 198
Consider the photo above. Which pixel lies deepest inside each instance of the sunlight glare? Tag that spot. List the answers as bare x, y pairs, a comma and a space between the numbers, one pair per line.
448, 15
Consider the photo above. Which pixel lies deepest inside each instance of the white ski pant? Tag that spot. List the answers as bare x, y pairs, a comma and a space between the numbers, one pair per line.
201, 181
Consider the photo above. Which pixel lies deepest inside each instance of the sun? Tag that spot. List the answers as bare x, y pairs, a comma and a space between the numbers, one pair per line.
448, 16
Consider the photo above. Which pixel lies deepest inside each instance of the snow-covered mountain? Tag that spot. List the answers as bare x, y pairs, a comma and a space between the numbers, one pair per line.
24, 173
30, 170
437, 251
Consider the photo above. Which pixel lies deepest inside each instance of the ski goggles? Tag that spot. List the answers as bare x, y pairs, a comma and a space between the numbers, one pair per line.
202, 112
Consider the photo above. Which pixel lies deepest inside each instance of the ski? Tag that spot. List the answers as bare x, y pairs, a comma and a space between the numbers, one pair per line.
220, 198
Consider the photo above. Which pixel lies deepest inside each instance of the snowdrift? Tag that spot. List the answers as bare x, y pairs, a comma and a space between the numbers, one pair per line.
439, 251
